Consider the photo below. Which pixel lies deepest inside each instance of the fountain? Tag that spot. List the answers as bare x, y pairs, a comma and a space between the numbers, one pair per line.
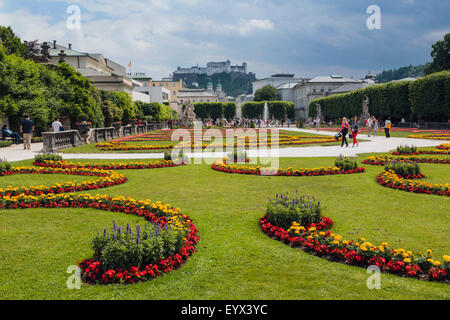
266, 112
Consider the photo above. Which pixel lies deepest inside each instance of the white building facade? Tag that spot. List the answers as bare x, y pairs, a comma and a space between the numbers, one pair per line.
317, 87
276, 81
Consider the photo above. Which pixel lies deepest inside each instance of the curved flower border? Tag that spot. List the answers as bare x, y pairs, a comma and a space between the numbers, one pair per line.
258, 171
442, 136
315, 240
154, 212
380, 160
109, 166
121, 146
391, 180
106, 179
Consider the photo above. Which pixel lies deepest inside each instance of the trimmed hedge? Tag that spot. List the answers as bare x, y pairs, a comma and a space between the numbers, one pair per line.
215, 110
5, 143
427, 98
278, 110
430, 97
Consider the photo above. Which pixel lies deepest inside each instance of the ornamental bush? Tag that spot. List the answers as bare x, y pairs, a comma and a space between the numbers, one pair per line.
284, 210
430, 97
406, 149
5, 143
215, 110
345, 163
403, 168
40, 158
253, 110
5, 166
125, 248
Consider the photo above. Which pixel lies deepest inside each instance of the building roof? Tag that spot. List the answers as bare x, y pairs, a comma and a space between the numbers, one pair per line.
350, 87
332, 78
195, 93
287, 85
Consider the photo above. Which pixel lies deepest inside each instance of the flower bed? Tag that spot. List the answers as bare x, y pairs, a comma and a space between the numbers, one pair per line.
106, 179
391, 180
318, 240
92, 270
103, 269
116, 146
435, 136
444, 146
109, 166
380, 160
258, 171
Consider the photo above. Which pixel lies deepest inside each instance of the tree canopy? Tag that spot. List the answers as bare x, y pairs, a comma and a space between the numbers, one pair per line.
266, 93
441, 56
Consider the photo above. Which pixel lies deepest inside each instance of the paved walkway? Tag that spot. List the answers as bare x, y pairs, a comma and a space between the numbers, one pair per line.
374, 144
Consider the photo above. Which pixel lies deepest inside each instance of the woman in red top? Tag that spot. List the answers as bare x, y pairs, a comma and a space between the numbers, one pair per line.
355, 131
344, 132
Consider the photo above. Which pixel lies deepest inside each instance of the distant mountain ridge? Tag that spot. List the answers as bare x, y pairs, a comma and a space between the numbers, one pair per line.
400, 73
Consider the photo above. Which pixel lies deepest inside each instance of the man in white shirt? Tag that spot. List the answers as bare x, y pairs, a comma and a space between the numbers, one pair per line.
56, 125
369, 125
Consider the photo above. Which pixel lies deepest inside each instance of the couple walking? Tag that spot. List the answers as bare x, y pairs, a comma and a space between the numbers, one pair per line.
345, 129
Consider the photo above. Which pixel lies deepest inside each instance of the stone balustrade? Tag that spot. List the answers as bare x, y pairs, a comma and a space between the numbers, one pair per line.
54, 141
101, 134
127, 131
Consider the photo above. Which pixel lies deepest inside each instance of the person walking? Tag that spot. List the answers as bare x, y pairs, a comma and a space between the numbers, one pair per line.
344, 132
27, 128
56, 125
8, 133
387, 128
369, 124
375, 126
317, 124
355, 131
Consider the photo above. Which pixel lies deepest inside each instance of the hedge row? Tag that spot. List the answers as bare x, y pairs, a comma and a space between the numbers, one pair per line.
427, 98
215, 110
278, 110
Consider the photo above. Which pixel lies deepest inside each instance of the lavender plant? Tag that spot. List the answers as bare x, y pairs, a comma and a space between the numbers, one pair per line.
123, 248
284, 209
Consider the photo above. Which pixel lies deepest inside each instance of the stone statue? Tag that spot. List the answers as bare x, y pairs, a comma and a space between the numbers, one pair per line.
319, 112
189, 115
365, 115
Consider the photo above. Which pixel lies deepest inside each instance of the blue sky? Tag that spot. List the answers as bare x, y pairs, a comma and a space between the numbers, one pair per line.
305, 37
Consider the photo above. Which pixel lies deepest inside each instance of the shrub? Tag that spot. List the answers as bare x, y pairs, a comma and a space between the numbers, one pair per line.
403, 168
5, 166
37, 139
345, 163
430, 97
237, 157
123, 248
47, 157
284, 210
253, 110
5, 143
183, 158
406, 149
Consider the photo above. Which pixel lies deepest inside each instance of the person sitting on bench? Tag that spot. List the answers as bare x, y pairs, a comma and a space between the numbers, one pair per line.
8, 133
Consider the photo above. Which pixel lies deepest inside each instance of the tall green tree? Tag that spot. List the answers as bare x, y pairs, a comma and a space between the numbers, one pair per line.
266, 93
12, 43
441, 56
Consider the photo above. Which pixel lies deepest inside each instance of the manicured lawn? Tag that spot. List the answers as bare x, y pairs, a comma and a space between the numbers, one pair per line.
235, 260
91, 148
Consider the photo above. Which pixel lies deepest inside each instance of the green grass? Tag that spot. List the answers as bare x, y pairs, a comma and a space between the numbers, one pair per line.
235, 260
91, 148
